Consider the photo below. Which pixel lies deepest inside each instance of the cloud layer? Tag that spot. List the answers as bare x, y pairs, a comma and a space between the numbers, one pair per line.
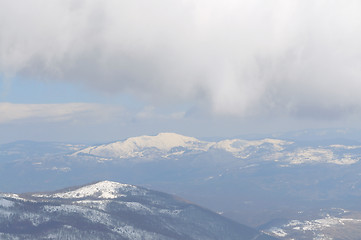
76, 113
244, 58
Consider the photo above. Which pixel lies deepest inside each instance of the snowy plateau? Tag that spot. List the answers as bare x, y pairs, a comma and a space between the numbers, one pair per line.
111, 210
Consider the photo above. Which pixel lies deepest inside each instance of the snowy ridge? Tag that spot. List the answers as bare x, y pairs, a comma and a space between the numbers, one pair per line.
101, 190
15, 196
320, 224
172, 145
165, 144
134, 147
320, 155
320, 228
238, 147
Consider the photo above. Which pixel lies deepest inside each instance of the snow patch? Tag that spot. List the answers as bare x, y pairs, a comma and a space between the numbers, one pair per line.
92, 215
344, 146
278, 232
16, 197
319, 155
98, 204
102, 190
170, 212
6, 203
135, 206
243, 148
5, 213
314, 226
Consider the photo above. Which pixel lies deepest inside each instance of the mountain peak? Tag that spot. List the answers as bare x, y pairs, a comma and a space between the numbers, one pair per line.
101, 190
172, 134
162, 141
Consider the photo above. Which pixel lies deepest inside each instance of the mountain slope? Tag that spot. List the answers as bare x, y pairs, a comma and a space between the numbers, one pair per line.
110, 210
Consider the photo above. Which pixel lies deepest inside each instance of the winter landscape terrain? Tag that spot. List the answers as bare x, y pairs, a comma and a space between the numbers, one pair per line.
111, 210
249, 110
288, 187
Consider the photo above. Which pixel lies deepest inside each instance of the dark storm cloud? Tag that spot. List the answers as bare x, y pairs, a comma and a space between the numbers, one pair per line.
235, 57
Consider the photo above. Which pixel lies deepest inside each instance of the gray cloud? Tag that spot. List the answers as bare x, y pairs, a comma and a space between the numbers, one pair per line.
241, 58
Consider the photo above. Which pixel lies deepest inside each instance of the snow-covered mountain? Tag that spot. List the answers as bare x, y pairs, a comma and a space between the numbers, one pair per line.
111, 210
176, 146
162, 145
167, 145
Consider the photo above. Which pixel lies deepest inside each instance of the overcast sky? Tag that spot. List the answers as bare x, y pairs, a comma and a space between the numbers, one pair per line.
100, 70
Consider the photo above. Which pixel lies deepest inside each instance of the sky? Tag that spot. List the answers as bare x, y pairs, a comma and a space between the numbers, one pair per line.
103, 70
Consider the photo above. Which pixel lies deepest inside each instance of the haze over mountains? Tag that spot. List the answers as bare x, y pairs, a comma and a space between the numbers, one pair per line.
254, 182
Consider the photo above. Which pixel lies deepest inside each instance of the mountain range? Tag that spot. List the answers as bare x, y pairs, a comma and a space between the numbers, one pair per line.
252, 181
174, 146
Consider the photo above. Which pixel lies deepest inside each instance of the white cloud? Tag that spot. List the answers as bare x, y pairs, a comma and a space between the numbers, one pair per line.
68, 112
250, 57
